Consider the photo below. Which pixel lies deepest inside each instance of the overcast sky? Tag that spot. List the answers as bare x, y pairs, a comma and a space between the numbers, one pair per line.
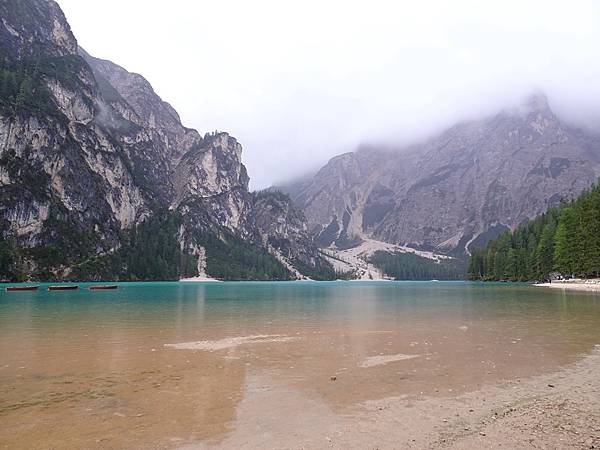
299, 82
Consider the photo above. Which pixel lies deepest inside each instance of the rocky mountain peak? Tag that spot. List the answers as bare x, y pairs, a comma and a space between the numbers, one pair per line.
136, 91
35, 28
456, 189
538, 103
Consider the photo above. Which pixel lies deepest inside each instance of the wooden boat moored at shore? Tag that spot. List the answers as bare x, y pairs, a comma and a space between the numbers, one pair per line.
103, 287
21, 288
66, 287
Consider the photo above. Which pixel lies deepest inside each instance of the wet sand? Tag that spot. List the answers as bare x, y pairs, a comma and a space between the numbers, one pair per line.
558, 410
348, 387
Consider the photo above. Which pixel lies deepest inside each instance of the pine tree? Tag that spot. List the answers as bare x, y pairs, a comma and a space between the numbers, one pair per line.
564, 260
545, 251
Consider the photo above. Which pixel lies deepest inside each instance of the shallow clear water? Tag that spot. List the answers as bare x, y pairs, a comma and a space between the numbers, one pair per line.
82, 357
192, 306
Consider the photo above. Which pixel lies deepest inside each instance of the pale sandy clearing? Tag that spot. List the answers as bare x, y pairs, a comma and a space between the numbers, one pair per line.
356, 258
199, 279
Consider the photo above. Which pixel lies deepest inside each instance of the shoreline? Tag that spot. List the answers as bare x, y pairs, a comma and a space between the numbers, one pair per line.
579, 285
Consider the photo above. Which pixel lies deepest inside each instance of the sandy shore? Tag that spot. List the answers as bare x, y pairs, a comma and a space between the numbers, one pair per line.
199, 279
575, 286
559, 410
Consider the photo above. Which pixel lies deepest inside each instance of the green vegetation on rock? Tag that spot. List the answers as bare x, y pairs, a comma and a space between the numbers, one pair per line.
23, 89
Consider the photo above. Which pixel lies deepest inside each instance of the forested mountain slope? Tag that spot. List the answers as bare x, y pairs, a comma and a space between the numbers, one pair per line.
565, 240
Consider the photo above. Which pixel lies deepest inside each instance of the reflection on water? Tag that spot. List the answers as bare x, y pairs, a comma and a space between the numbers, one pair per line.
93, 368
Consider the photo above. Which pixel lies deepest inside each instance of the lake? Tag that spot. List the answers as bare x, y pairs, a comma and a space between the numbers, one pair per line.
169, 364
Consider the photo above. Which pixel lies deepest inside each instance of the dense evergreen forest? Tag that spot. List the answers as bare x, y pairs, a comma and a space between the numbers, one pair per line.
408, 266
230, 258
565, 240
321, 271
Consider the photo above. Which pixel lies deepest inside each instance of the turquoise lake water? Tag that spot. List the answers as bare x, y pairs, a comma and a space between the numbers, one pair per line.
193, 305
549, 319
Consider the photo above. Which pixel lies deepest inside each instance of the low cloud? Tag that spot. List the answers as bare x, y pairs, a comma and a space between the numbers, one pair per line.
299, 82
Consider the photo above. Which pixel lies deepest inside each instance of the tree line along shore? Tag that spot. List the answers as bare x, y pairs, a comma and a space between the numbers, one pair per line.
562, 243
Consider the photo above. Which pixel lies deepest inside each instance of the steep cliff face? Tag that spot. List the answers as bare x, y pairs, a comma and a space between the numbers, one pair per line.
283, 229
92, 161
459, 188
202, 177
211, 182
66, 190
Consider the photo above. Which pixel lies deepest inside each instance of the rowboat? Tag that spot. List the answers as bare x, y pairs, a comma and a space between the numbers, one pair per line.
66, 287
103, 287
21, 288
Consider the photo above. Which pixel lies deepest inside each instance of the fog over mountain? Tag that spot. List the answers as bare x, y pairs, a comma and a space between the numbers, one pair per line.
298, 84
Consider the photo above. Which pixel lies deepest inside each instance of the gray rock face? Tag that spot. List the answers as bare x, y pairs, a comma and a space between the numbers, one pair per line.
34, 28
283, 226
103, 153
463, 186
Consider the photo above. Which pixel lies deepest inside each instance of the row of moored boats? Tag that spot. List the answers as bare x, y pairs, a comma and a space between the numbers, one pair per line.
62, 287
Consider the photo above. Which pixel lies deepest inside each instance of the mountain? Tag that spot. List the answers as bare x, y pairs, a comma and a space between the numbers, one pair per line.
100, 179
456, 190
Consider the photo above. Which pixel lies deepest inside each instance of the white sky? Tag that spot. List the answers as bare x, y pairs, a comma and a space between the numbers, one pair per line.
300, 81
